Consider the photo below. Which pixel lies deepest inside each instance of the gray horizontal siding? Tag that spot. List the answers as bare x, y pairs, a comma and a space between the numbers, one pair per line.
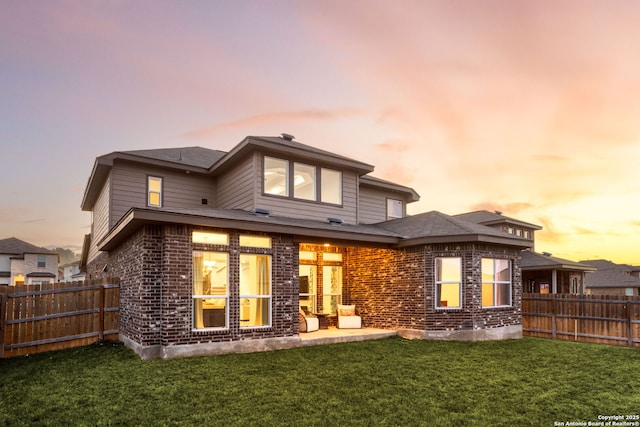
373, 205
179, 189
236, 188
100, 218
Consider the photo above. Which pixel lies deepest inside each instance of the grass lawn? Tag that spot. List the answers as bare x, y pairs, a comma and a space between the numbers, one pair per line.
392, 382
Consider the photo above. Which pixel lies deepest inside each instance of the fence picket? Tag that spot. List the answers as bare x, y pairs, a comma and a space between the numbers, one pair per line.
590, 318
34, 319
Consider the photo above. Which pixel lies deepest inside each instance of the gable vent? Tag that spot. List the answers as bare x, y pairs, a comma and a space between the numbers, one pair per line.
287, 136
335, 221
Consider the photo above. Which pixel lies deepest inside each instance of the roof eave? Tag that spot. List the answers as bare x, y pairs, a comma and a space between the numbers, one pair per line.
136, 218
465, 238
252, 143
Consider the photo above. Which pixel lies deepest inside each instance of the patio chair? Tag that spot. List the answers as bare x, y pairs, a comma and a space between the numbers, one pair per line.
308, 322
347, 317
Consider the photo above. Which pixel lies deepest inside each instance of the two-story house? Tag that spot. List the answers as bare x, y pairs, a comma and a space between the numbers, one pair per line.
542, 273
22, 263
217, 251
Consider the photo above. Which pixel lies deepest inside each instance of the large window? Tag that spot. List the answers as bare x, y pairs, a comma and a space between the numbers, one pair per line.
309, 182
448, 282
210, 289
255, 290
276, 176
331, 288
331, 184
308, 279
154, 191
304, 181
496, 282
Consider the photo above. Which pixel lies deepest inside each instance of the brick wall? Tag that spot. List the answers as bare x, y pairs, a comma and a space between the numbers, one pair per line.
396, 288
155, 270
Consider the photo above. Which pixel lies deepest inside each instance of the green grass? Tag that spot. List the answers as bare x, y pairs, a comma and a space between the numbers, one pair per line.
391, 382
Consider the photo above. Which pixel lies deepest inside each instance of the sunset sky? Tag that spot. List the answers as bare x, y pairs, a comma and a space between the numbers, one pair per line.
528, 107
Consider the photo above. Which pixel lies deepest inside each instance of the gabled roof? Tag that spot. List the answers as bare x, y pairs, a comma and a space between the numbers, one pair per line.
611, 275
372, 181
290, 148
493, 218
189, 159
192, 156
436, 227
536, 261
13, 246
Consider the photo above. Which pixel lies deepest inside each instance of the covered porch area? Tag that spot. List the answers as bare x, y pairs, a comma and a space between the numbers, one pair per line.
334, 335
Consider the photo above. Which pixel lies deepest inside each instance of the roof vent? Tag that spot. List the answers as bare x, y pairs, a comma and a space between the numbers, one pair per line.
261, 212
335, 221
546, 253
287, 136
499, 212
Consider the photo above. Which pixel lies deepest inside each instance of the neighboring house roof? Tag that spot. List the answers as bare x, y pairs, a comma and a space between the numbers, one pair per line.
611, 275
432, 227
13, 246
492, 218
40, 274
436, 227
536, 261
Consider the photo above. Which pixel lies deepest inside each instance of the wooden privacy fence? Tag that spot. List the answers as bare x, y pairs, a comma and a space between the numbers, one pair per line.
38, 318
606, 319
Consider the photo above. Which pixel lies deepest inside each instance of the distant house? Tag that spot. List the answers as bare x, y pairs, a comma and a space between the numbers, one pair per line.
22, 263
218, 251
70, 272
541, 272
612, 279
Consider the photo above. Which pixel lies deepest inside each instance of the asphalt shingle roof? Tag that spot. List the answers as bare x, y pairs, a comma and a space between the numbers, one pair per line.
192, 156
533, 260
13, 246
611, 275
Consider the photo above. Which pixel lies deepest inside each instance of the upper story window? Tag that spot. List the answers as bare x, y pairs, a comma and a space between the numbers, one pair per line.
309, 182
394, 209
154, 191
331, 186
304, 181
276, 176
42, 261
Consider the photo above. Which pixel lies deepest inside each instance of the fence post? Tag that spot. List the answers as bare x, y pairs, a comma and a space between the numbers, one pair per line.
101, 317
629, 324
3, 321
553, 315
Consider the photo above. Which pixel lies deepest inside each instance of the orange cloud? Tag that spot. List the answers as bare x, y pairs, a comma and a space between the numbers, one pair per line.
263, 119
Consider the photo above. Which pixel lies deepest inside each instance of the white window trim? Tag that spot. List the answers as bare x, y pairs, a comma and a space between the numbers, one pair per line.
495, 282
447, 282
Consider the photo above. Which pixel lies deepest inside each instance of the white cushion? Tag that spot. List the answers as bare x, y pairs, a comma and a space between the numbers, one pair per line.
346, 322
312, 324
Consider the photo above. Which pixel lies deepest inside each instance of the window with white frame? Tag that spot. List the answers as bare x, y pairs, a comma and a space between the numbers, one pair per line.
42, 261
496, 282
395, 209
255, 290
448, 282
210, 289
154, 191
